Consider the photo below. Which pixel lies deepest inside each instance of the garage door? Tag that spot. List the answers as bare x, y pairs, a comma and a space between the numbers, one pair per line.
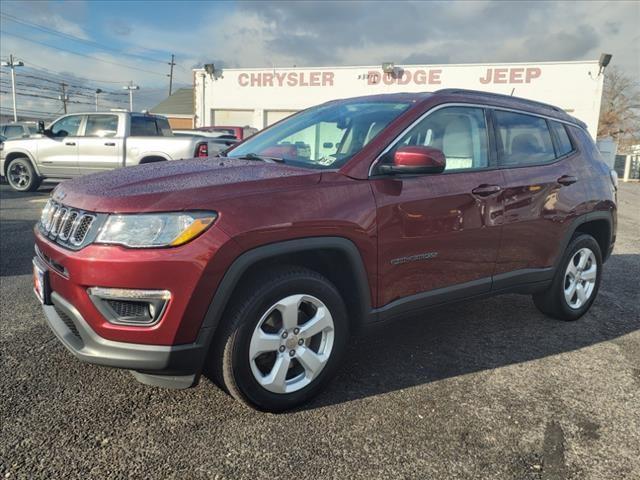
273, 116
233, 118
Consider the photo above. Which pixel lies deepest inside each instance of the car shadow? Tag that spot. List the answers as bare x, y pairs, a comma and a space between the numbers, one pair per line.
474, 336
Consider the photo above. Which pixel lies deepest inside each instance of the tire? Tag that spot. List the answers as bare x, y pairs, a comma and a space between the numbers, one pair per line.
561, 300
296, 377
21, 175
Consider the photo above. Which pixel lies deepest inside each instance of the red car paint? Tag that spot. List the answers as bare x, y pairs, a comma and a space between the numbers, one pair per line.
466, 236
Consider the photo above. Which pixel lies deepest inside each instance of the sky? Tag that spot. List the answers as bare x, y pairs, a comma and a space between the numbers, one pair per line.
106, 45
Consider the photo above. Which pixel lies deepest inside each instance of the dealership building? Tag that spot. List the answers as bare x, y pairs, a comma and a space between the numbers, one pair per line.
259, 97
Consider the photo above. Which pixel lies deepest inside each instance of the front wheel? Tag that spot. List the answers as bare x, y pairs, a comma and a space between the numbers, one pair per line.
21, 175
283, 342
576, 282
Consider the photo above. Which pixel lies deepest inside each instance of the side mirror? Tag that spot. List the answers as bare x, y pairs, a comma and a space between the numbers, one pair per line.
41, 126
415, 160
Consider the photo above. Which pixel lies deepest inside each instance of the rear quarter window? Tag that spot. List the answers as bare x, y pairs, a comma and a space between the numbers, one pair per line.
563, 141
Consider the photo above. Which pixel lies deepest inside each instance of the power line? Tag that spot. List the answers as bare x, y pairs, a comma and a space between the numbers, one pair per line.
75, 38
81, 54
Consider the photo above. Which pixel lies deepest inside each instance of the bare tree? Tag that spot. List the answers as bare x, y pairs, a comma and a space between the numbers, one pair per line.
620, 110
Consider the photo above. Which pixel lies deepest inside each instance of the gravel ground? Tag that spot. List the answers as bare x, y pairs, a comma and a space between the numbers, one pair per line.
490, 390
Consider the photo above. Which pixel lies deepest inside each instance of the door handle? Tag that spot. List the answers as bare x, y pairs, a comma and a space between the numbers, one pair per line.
486, 190
567, 180
71, 144
110, 144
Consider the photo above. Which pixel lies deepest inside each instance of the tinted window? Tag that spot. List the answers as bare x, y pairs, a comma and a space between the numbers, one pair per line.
67, 126
143, 127
460, 132
13, 131
564, 144
101, 126
163, 126
524, 139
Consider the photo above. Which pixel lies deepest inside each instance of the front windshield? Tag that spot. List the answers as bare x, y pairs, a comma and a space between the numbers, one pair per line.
326, 136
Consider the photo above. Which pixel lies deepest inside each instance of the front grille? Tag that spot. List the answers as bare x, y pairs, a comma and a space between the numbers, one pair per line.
129, 308
68, 226
67, 321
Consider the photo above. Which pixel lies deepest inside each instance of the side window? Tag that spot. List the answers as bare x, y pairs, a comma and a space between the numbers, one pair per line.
523, 139
163, 126
564, 143
101, 126
13, 131
142, 126
459, 132
67, 126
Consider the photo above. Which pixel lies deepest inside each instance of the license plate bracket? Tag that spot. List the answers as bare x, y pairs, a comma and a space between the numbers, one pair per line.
41, 283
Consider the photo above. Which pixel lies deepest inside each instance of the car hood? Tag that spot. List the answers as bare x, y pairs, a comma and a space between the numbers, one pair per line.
179, 185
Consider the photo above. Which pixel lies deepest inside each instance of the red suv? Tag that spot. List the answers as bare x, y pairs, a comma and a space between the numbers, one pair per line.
257, 266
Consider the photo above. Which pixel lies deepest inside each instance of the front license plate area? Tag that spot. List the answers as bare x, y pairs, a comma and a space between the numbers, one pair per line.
41, 283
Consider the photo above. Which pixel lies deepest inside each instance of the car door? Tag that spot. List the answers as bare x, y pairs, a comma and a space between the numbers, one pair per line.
58, 150
439, 234
101, 146
542, 193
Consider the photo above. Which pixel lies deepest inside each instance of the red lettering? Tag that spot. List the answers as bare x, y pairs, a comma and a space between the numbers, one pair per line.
500, 75
405, 77
420, 77
434, 77
267, 79
516, 75
487, 78
243, 79
280, 77
373, 78
388, 79
327, 79
292, 79
255, 80
302, 81
314, 79
532, 73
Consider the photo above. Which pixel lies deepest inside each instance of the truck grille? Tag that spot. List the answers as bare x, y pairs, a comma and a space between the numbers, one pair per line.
65, 225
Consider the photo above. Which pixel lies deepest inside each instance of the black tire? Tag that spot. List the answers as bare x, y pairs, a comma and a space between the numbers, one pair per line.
229, 360
21, 175
552, 301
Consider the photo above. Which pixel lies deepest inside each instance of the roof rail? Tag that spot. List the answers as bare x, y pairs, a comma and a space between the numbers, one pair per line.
498, 96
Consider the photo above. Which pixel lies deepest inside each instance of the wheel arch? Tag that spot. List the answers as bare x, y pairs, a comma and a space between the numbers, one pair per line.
597, 224
10, 156
152, 158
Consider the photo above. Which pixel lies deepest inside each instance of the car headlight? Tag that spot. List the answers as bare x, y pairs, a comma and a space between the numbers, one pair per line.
154, 229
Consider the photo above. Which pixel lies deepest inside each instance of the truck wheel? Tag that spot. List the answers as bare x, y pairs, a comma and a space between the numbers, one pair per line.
282, 341
21, 175
576, 281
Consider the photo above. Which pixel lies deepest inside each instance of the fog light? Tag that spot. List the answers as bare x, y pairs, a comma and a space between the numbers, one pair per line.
122, 306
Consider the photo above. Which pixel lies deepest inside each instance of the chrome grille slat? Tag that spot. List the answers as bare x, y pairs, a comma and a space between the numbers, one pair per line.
67, 225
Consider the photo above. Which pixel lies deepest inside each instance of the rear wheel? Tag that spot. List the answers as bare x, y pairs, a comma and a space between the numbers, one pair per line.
283, 342
576, 282
22, 176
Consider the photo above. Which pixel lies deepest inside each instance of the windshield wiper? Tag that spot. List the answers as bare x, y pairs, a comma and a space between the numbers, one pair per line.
262, 158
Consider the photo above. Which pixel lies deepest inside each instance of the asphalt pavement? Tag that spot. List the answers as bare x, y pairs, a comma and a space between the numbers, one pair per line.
490, 389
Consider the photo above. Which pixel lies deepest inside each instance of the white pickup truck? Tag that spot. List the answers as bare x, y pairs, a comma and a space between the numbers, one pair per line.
82, 143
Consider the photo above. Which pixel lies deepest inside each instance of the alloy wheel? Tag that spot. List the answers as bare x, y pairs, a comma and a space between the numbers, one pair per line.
580, 278
19, 175
291, 343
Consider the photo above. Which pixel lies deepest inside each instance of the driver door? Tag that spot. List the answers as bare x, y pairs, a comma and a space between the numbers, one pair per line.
439, 234
58, 151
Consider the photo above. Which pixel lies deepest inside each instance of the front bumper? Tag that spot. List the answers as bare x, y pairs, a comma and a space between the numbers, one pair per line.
174, 366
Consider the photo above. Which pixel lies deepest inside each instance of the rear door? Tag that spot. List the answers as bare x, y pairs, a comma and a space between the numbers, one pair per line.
440, 233
58, 151
101, 146
542, 193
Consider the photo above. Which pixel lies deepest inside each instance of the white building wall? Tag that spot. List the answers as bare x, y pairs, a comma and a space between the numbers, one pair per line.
572, 86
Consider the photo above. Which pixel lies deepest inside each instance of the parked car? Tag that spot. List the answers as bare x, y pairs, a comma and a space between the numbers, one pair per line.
257, 267
217, 142
18, 130
82, 143
239, 133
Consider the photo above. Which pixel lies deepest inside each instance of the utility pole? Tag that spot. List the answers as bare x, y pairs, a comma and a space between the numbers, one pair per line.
64, 97
12, 63
131, 87
98, 92
171, 64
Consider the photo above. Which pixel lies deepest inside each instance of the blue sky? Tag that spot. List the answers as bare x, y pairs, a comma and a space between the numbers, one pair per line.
116, 42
